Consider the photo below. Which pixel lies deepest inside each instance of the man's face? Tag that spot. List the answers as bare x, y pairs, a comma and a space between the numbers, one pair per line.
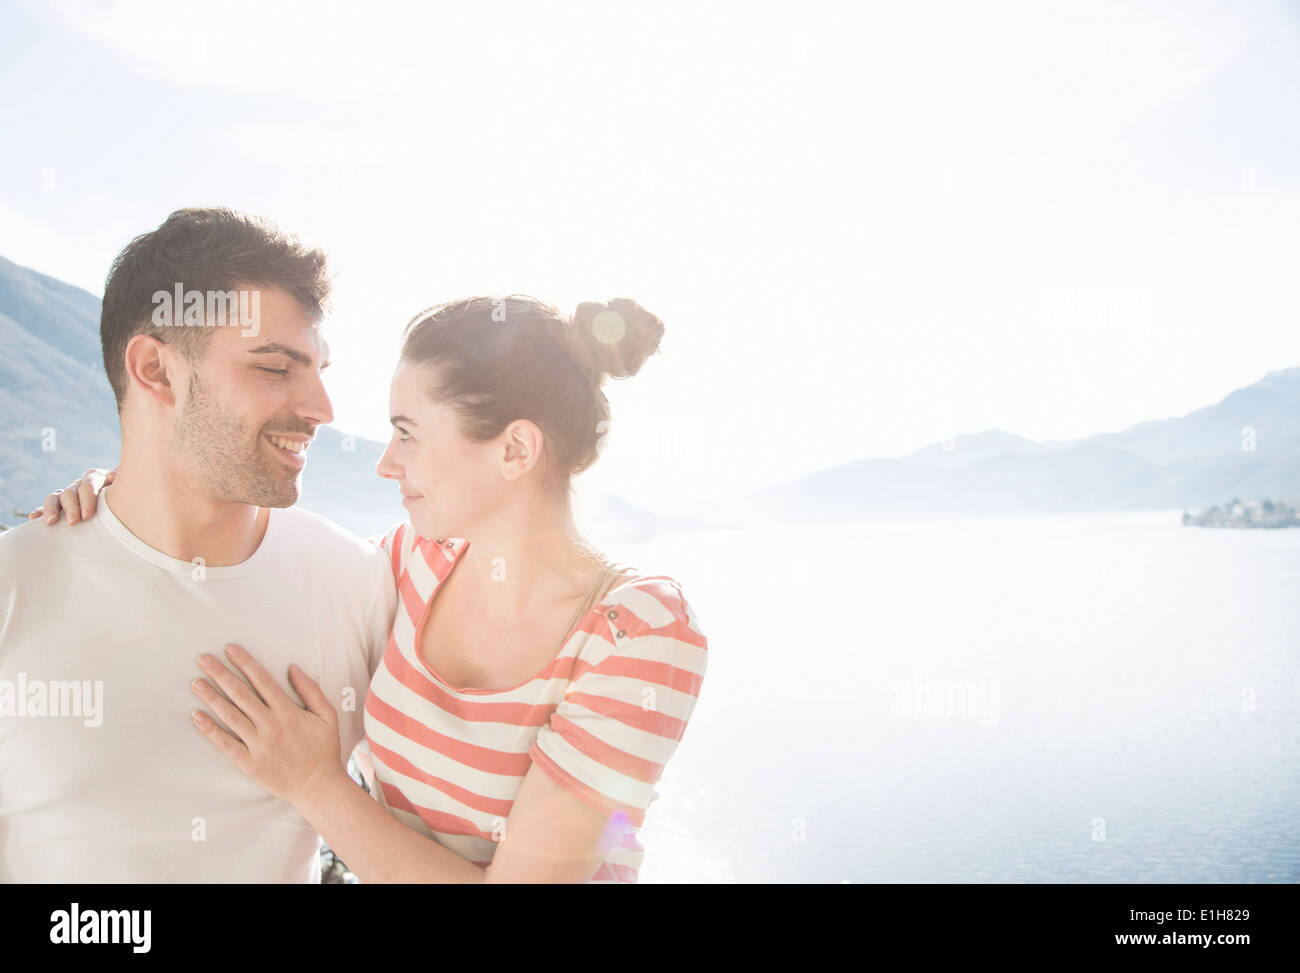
252, 404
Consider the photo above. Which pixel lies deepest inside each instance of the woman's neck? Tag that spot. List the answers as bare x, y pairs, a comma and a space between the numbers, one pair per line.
516, 572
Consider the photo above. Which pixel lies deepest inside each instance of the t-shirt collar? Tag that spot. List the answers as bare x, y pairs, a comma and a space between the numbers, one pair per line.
109, 521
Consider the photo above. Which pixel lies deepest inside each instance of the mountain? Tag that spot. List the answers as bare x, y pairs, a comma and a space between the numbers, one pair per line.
59, 413
60, 416
1247, 445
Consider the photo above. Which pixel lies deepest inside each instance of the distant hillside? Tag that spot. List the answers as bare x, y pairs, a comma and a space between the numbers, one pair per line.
51, 378
1191, 461
53, 392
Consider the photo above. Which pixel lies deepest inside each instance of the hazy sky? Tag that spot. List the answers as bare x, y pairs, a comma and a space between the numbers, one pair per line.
866, 227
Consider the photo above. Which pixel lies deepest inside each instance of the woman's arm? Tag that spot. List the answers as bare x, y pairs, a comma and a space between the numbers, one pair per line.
549, 836
374, 844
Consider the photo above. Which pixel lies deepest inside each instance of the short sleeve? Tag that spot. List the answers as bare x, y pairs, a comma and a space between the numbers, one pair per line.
396, 548
383, 613
634, 689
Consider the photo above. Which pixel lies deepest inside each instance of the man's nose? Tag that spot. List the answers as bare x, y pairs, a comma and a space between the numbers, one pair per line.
317, 406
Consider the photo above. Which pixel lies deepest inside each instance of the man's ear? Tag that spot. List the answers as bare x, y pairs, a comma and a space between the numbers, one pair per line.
149, 367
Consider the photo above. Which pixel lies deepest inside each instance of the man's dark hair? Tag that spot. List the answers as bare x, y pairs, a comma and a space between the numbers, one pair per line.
207, 250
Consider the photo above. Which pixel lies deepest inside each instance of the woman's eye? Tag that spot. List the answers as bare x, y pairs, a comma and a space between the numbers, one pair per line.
273, 371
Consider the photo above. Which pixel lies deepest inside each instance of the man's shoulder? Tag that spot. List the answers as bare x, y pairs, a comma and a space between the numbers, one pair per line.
319, 537
350, 573
36, 541
51, 557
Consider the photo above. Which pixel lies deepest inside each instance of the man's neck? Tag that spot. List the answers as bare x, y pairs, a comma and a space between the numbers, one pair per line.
170, 515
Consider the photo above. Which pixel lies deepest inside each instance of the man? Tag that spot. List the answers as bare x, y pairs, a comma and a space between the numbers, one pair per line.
211, 337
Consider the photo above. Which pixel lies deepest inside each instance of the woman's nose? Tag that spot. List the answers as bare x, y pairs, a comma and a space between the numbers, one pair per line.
387, 468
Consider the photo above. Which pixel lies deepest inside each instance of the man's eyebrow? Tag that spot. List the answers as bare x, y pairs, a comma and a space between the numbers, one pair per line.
403, 419
275, 348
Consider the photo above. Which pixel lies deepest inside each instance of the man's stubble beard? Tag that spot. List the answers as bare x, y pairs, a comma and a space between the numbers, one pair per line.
226, 454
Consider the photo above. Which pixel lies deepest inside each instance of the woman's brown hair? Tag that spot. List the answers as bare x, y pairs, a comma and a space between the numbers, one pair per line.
497, 359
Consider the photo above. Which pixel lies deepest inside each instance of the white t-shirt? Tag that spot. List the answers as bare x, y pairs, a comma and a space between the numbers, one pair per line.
103, 776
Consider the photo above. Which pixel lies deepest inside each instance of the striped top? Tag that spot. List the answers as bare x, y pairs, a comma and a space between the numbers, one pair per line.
602, 718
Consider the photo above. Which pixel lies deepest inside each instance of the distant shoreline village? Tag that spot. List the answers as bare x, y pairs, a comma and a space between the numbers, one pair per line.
1247, 513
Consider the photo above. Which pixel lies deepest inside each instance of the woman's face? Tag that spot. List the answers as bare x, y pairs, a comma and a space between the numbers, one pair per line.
447, 481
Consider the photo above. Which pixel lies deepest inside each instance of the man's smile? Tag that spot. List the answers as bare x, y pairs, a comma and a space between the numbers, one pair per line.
292, 448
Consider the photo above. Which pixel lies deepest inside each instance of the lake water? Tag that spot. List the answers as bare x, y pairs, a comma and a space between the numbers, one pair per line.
1080, 698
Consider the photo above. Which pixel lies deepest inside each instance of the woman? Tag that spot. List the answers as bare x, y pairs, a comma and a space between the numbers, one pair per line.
521, 719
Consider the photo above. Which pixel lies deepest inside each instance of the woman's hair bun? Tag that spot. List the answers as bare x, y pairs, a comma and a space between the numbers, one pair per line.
614, 338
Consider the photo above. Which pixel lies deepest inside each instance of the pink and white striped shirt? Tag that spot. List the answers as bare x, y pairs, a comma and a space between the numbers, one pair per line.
602, 718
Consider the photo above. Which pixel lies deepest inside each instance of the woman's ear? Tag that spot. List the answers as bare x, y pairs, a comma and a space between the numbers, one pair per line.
524, 445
